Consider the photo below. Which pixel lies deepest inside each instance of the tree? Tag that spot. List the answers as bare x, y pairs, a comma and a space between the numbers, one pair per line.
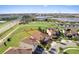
34, 19
65, 52
9, 39
39, 29
46, 19
5, 44
69, 37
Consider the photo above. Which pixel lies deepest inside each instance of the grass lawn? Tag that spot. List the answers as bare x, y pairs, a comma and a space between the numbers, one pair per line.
73, 51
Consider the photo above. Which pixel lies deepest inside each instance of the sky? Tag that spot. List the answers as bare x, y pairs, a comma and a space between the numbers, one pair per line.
39, 9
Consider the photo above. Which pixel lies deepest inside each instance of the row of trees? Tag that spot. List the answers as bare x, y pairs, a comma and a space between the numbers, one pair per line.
28, 18
8, 18
43, 30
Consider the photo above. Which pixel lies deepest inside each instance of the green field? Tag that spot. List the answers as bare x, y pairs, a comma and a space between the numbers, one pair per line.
23, 31
73, 51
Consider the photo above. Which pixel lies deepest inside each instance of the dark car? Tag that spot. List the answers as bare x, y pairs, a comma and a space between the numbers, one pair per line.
63, 43
38, 50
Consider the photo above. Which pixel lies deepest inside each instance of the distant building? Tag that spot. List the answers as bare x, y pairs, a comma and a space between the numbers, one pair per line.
69, 25
71, 32
41, 17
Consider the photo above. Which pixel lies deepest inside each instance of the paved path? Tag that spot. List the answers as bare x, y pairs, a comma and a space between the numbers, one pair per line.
5, 38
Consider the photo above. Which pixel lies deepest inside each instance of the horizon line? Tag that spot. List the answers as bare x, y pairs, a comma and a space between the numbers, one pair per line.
44, 13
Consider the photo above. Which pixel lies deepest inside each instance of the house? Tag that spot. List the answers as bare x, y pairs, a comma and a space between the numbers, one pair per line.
15, 50
32, 41
53, 33
49, 31
70, 32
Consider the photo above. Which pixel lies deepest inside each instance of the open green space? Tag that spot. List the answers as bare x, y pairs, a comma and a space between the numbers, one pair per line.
24, 30
73, 51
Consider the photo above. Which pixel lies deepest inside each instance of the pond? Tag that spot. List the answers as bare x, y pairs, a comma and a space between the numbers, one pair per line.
63, 19
68, 19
